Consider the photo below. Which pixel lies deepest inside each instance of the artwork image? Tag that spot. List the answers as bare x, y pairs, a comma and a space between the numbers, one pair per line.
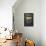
28, 19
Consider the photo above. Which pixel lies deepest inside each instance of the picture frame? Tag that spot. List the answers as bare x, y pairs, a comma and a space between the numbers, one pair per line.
28, 19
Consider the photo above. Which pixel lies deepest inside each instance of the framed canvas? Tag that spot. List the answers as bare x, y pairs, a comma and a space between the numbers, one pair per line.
28, 19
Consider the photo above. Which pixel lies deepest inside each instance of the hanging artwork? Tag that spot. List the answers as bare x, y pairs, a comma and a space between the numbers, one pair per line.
28, 19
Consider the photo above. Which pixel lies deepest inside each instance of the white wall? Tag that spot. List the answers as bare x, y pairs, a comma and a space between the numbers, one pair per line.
43, 22
6, 13
29, 6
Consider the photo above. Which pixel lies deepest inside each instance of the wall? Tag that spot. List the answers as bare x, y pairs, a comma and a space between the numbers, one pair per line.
6, 13
43, 22
29, 6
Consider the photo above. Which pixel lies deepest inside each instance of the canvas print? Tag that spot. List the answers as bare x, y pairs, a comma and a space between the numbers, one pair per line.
28, 19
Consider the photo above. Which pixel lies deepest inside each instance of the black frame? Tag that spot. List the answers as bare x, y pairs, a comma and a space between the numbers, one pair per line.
28, 19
